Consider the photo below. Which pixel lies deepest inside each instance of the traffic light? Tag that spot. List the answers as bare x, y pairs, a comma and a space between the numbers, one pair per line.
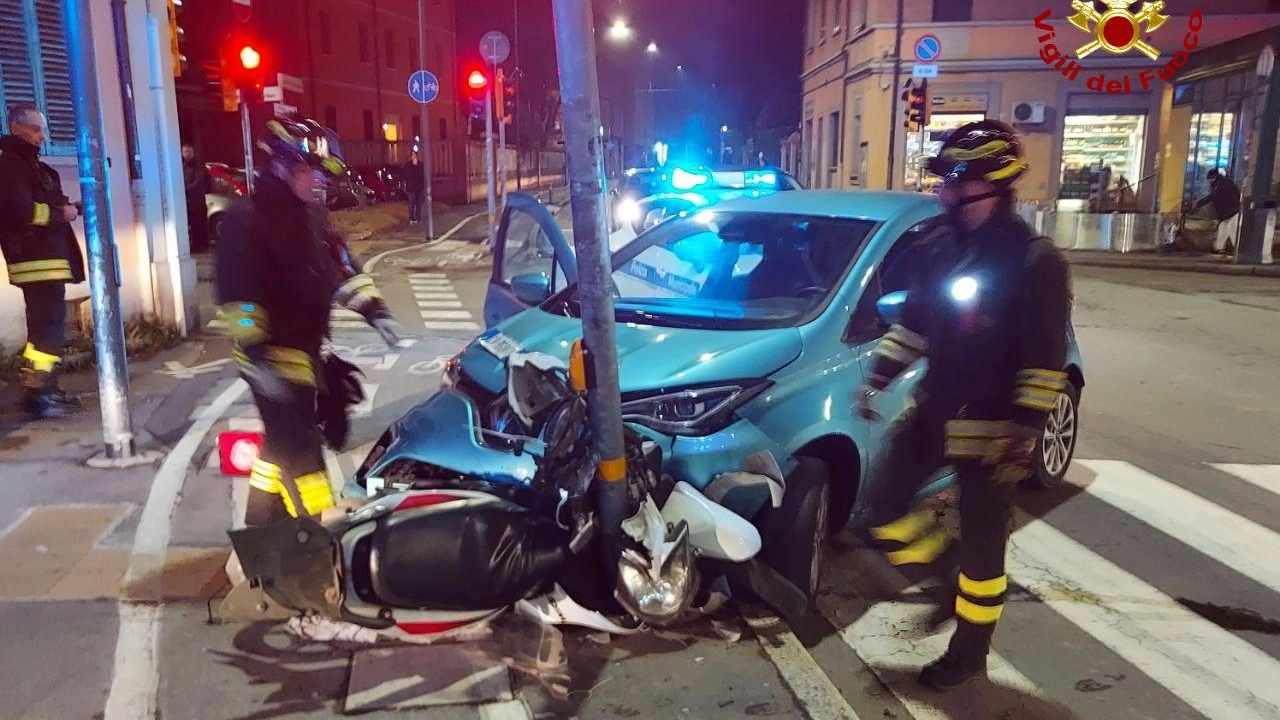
244, 68
918, 111
477, 81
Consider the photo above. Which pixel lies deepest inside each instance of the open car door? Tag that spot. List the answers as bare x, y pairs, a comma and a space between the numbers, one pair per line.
531, 259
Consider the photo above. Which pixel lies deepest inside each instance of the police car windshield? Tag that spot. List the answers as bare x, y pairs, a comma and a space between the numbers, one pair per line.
733, 270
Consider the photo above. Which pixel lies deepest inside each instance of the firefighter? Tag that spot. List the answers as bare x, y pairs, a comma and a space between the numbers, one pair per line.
42, 255
280, 269
989, 310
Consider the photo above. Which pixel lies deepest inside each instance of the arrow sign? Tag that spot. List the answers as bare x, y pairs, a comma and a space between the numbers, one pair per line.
424, 87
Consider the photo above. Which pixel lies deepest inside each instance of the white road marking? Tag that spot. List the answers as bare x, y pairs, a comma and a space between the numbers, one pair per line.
245, 424
1237, 542
373, 261
1266, 477
435, 295
426, 275
446, 315
802, 674
446, 325
439, 303
1211, 669
136, 674
508, 710
430, 283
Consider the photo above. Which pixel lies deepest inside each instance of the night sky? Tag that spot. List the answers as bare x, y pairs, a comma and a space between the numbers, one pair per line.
745, 55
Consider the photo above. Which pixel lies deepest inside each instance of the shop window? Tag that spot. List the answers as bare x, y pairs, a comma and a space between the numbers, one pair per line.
1101, 161
952, 10
1210, 146
940, 124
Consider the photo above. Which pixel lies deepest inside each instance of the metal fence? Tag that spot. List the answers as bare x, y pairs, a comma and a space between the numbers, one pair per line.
1112, 232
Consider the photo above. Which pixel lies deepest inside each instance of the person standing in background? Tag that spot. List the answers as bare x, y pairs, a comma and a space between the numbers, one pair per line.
414, 184
196, 180
1225, 197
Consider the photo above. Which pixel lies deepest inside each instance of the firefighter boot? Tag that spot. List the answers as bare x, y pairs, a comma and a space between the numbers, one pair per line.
966, 656
38, 401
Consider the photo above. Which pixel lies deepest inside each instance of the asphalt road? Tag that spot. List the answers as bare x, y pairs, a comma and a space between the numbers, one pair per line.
1146, 588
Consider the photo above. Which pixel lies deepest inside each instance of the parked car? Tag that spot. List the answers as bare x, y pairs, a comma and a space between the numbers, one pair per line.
225, 185
744, 327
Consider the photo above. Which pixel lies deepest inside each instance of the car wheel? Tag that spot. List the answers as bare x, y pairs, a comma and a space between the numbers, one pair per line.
1057, 443
215, 228
795, 534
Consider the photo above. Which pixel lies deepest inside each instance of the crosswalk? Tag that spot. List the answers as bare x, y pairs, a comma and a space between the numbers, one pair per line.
1106, 598
438, 303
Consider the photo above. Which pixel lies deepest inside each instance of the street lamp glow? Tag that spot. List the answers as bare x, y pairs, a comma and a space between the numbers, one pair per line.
724, 128
652, 49
619, 30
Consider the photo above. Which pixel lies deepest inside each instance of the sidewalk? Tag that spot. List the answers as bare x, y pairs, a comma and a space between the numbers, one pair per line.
1175, 263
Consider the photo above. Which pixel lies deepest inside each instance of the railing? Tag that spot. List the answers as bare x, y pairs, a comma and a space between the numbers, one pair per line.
1112, 232
365, 153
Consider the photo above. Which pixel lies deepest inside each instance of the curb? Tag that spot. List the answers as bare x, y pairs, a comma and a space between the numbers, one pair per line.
1185, 266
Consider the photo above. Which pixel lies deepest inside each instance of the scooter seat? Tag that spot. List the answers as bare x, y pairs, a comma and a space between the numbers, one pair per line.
465, 558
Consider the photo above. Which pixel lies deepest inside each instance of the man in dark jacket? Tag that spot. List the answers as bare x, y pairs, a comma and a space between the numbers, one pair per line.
990, 311
414, 185
42, 255
280, 268
196, 182
1225, 197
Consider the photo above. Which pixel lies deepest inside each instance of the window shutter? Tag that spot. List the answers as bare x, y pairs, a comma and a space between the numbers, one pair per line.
17, 80
56, 73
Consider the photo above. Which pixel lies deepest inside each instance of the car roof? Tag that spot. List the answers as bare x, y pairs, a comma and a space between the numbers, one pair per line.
876, 205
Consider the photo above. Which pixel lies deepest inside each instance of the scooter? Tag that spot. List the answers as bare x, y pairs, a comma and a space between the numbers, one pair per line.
441, 557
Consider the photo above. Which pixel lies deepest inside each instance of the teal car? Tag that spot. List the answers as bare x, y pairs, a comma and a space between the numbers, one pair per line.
743, 327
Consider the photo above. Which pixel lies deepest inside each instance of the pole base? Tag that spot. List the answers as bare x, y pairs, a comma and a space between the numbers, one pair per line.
104, 461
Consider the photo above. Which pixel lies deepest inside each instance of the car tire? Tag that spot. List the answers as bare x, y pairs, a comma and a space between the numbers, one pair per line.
795, 534
1057, 442
215, 230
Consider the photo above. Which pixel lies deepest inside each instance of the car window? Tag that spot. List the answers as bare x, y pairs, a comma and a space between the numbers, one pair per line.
737, 269
527, 249
892, 274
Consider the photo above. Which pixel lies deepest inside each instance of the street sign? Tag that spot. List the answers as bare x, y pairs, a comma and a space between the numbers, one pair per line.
423, 87
272, 93
281, 110
924, 70
928, 48
292, 83
494, 47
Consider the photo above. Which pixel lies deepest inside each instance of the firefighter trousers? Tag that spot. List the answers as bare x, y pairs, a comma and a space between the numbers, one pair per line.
917, 449
46, 332
291, 455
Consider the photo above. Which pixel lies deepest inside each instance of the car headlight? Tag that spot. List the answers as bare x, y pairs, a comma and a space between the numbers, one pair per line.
629, 211
659, 595
693, 411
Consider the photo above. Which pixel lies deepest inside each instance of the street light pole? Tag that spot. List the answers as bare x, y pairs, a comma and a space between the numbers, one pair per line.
488, 158
897, 76
584, 149
104, 272
424, 142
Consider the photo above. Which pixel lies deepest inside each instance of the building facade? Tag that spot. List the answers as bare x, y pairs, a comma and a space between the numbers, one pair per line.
1104, 132
348, 64
131, 46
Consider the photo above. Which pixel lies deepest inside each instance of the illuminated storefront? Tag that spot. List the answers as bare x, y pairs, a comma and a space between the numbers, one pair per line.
1102, 161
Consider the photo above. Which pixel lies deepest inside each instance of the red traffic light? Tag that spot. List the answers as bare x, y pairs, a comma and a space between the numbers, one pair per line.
250, 59
477, 80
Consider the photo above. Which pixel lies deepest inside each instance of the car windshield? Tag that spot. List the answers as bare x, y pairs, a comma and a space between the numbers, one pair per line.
732, 270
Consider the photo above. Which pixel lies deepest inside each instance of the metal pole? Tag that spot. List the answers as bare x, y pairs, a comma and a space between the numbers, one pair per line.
893, 117
424, 144
246, 136
488, 162
104, 285
500, 89
519, 93
584, 147
919, 170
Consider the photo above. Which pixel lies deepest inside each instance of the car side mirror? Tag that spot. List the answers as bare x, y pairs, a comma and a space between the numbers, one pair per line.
889, 307
531, 288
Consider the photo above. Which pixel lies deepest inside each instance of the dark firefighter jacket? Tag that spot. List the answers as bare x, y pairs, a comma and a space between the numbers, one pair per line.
280, 268
991, 314
38, 245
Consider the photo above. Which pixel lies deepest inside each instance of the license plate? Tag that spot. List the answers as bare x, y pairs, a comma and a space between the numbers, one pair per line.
501, 346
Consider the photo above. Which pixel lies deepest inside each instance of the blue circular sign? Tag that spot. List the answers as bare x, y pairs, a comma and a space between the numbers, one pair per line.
928, 47
423, 86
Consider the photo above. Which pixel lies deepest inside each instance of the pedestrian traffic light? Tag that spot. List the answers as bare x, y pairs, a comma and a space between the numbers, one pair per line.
918, 111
